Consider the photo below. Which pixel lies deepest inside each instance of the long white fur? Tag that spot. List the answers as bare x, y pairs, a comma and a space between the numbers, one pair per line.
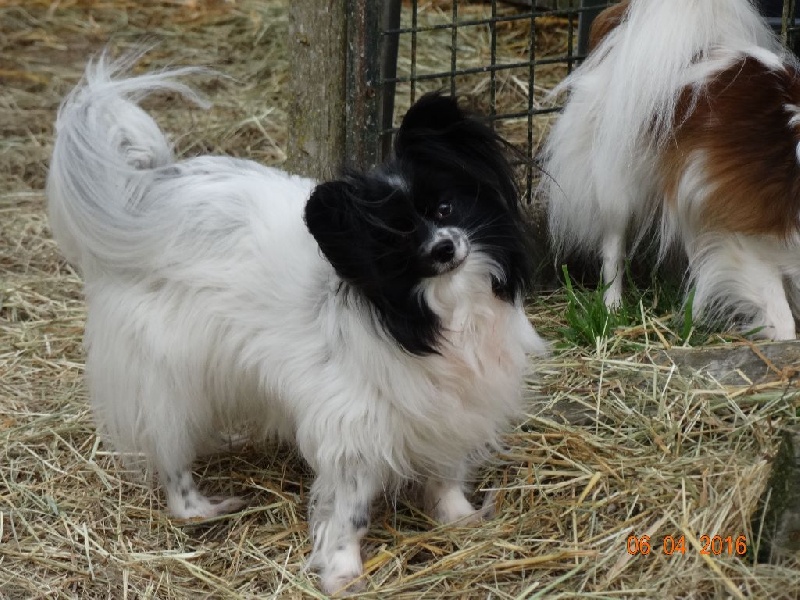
602, 183
210, 307
600, 155
747, 269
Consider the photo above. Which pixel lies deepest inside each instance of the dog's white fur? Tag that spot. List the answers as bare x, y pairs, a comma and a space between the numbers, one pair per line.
604, 186
210, 307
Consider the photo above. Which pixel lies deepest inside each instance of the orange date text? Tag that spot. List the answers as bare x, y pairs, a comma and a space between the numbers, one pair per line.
715, 545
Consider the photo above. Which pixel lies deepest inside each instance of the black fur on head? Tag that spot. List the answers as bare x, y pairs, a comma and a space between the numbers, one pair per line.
447, 192
451, 154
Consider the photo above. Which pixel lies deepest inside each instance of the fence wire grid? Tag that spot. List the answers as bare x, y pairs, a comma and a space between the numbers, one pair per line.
504, 56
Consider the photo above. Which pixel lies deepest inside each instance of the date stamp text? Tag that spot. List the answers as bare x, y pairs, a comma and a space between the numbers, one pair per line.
715, 545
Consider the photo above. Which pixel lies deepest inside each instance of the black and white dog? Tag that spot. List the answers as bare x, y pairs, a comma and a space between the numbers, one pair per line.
376, 320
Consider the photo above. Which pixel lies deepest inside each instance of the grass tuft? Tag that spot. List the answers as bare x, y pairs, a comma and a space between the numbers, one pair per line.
588, 318
589, 321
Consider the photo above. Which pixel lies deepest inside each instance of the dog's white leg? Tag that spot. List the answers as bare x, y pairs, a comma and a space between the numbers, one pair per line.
446, 502
185, 501
613, 254
339, 518
737, 276
792, 284
137, 399
778, 317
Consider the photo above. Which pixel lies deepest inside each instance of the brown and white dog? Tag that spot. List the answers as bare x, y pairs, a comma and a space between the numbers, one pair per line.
685, 121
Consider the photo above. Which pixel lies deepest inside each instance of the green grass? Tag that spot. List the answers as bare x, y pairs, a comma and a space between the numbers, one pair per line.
587, 316
588, 320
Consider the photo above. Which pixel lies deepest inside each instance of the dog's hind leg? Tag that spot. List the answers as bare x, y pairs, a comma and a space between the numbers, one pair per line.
736, 276
778, 318
145, 400
792, 284
446, 502
177, 433
615, 208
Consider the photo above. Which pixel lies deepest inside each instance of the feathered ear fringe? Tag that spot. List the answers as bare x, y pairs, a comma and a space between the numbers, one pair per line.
367, 231
333, 219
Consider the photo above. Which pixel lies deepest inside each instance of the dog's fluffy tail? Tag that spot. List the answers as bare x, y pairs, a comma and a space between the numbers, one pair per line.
107, 154
651, 53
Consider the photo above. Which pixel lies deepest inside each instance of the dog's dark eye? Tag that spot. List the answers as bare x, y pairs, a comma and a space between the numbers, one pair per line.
443, 211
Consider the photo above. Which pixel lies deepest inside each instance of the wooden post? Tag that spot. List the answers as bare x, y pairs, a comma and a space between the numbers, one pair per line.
363, 129
317, 48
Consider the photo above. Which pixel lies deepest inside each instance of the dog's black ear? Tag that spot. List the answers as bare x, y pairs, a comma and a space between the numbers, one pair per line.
437, 138
436, 129
332, 218
432, 112
367, 236
446, 150
433, 117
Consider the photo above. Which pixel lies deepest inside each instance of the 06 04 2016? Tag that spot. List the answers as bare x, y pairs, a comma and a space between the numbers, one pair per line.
715, 545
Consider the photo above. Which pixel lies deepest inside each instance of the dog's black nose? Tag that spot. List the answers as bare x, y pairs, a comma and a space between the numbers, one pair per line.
444, 251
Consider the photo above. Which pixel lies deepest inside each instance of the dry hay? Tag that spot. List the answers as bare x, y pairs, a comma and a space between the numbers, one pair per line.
643, 450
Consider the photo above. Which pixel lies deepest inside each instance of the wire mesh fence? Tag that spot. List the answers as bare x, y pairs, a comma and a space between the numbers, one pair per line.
504, 56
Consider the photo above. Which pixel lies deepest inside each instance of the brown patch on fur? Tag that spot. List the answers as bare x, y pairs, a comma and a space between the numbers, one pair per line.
605, 23
740, 124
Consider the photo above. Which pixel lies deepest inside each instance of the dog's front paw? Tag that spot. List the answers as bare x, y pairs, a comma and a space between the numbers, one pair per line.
446, 503
341, 574
200, 508
451, 515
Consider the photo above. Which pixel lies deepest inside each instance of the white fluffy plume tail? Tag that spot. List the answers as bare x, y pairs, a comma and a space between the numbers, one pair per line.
107, 153
646, 61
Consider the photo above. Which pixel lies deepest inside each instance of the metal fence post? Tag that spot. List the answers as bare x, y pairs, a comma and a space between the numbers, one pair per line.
591, 8
390, 46
789, 24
